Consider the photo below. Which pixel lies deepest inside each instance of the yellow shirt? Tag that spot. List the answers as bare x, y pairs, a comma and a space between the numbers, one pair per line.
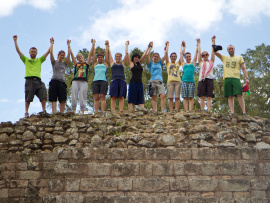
231, 66
173, 70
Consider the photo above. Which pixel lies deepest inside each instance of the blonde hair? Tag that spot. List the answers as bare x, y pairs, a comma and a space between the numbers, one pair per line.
79, 54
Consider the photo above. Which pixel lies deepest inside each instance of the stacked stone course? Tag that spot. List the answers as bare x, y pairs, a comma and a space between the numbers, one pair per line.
137, 157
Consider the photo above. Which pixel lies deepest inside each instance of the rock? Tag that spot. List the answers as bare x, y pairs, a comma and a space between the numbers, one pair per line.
179, 117
226, 144
32, 128
72, 142
59, 139
204, 143
262, 145
201, 136
4, 138
28, 135
146, 143
7, 130
96, 138
250, 138
166, 140
91, 130
16, 142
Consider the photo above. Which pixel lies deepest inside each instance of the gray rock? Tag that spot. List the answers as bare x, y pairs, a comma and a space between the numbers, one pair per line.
262, 145
59, 139
146, 143
4, 138
226, 144
166, 140
250, 138
72, 142
96, 138
204, 143
28, 135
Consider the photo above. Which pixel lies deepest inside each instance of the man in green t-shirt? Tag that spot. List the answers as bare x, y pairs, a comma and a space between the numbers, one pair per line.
33, 84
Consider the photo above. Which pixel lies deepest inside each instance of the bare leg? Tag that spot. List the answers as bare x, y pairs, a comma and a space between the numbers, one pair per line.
209, 103
96, 102
27, 104
62, 106
176, 104
130, 106
74, 110
82, 111
191, 104
54, 106
113, 103
241, 103
231, 103
185, 103
103, 102
171, 104
121, 103
43, 104
162, 102
154, 103
202, 103
141, 105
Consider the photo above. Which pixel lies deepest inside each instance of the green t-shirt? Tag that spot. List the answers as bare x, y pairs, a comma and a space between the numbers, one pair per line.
32, 66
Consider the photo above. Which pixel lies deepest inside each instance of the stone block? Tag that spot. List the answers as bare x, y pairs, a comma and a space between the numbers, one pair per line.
56, 185
21, 166
203, 154
234, 185
157, 154
31, 192
125, 184
163, 169
72, 185
18, 183
49, 156
179, 200
259, 185
97, 199
18, 192
230, 169
227, 153
146, 169
250, 169
70, 198
264, 169
135, 154
180, 154
98, 184
259, 200
193, 169
162, 199
3, 193
209, 169
70, 168
250, 154
126, 169
179, 184
264, 154
64, 153
150, 185
116, 154
203, 185
99, 169
83, 153
179, 169
258, 193
29, 175
143, 199
239, 195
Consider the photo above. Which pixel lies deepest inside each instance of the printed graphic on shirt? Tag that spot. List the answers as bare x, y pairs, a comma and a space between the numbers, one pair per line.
80, 71
173, 70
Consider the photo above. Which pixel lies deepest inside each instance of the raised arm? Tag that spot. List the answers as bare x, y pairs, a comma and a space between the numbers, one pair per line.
48, 51
73, 57
182, 53
106, 61
68, 55
216, 53
147, 53
110, 54
213, 53
89, 55
51, 50
15, 37
196, 53
127, 56
199, 52
94, 52
165, 52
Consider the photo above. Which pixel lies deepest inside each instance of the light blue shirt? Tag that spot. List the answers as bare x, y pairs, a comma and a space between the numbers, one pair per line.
100, 72
156, 70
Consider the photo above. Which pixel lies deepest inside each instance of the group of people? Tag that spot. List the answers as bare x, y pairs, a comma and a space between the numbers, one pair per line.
118, 87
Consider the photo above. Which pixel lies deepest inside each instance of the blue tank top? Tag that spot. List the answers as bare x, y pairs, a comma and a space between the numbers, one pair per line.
100, 72
189, 70
118, 71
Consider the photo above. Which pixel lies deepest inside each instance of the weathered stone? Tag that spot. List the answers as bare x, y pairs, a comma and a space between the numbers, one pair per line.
4, 138
203, 185
251, 138
146, 143
28, 135
73, 142
16, 142
262, 145
166, 140
59, 139
150, 185
235, 185
7, 130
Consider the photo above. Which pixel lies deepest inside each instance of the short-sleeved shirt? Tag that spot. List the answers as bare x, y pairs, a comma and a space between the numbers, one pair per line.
156, 70
81, 71
100, 72
231, 66
189, 70
173, 70
59, 69
32, 66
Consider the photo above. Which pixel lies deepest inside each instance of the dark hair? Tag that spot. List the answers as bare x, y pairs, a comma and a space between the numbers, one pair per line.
33, 48
173, 53
155, 54
136, 54
187, 53
118, 54
100, 54
60, 52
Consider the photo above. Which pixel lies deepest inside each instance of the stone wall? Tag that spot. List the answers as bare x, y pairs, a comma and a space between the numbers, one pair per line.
135, 157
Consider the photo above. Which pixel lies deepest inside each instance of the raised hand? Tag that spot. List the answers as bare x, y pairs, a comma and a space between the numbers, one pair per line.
107, 42
127, 42
15, 37
68, 41
151, 44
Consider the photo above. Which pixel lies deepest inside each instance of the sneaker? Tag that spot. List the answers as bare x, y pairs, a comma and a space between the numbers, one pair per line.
26, 115
244, 114
231, 115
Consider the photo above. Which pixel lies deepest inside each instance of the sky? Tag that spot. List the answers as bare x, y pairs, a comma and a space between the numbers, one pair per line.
243, 23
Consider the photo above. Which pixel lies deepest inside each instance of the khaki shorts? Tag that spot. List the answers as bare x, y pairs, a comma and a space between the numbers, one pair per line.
159, 87
173, 88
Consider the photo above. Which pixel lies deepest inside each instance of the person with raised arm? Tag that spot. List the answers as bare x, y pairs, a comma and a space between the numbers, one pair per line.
135, 91
174, 80
156, 80
118, 87
33, 84
79, 82
206, 77
57, 85
188, 82
100, 84
231, 74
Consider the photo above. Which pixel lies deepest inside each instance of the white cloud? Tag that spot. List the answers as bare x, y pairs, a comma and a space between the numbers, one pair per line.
7, 7
142, 21
4, 100
20, 101
249, 11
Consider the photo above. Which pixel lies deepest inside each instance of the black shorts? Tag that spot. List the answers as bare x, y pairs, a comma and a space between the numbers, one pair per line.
57, 90
205, 88
100, 87
34, 86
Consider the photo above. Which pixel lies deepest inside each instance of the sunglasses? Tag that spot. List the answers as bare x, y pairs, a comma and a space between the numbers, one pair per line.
204, 55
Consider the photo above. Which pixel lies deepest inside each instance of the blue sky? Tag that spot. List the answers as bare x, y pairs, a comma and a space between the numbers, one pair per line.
243, 23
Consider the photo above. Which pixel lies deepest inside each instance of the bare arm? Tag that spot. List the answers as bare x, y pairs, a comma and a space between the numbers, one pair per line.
199, 52
106, 61
127, 56
213, 53
68, 55
94, 52
15, 37
48, 51
147, 53
72, 56
51, 50
243, 66
165, 52
182, 53
110, 55
216, 53
196, 53
89, 56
